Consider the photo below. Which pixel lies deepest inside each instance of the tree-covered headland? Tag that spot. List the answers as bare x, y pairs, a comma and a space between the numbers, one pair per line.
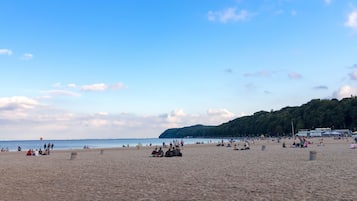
317, 113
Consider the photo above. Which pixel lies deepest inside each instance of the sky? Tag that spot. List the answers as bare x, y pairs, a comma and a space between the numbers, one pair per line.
74, 69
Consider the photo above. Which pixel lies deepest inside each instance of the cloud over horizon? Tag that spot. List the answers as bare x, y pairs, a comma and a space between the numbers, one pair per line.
24, 112
345, 92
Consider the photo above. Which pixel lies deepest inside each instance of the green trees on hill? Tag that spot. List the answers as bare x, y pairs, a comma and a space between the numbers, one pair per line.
317, 113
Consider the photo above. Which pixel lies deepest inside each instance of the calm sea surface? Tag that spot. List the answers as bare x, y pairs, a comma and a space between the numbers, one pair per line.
98, 143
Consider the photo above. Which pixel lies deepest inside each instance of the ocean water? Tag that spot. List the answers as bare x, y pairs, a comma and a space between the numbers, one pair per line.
99, 143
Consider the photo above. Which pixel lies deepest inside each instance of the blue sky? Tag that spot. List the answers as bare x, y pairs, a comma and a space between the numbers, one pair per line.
128, 69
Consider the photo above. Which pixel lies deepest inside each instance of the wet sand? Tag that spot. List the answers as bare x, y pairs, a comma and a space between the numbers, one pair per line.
205, 172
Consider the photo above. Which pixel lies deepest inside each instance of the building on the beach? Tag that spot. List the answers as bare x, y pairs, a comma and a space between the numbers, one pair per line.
323, 132
317, 132
338, 132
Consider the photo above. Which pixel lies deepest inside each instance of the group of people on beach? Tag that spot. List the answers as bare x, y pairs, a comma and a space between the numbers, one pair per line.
304, 142
246, 145
171, 152
4, 149
39, 152
174, 150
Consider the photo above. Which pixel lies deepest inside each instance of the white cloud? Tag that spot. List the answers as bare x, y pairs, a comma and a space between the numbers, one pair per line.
15, 108
178, 118
294, 75
175, 117
89, 87
27, 56
5, 52
61, 93
352, 20
230, 14
224, 113
345, 91
178, 113
102, 114
21, 115
97, 123
17, 102
94, 87
52, 123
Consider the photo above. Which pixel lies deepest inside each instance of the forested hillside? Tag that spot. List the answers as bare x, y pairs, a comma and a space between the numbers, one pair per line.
317, 113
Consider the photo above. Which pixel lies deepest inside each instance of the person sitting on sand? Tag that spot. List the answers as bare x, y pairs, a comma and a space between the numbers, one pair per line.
46, 152
235, 147
154, 152
36, 152
29, 152
168, 153
321, 142
160, 153
246, 146
176, 152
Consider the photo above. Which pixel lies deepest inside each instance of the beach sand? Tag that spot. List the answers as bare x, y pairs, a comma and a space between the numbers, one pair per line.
205, 172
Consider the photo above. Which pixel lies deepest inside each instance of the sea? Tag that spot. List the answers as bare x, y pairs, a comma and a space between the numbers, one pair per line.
12, 145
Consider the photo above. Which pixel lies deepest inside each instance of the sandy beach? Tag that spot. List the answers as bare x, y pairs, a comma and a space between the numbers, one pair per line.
205, 172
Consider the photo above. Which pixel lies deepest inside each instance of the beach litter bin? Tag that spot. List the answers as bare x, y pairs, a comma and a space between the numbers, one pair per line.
263, 147
73, 155
312, 155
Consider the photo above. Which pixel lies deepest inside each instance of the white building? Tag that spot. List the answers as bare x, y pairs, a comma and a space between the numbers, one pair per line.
313, 133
